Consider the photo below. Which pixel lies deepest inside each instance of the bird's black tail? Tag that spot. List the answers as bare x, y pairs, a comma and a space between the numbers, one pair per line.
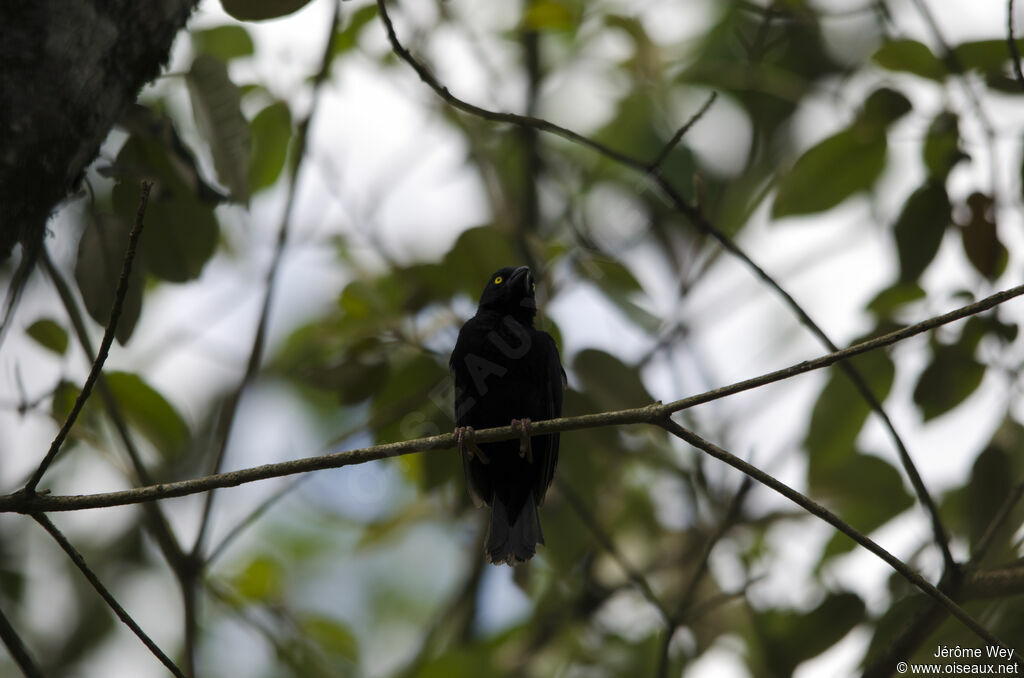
516, 542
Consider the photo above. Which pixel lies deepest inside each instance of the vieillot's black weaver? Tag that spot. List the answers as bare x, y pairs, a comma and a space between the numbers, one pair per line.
507, 372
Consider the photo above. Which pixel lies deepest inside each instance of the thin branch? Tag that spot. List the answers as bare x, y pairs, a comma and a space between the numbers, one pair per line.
227, 414
252, 517
680, 133
686, 600
126, 618
635, 576
695, 214
17, 649
20, 502
1012, 43
108, 339
835, 521
997, 522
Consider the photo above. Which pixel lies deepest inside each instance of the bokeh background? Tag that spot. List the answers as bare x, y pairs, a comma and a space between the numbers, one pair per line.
866, 154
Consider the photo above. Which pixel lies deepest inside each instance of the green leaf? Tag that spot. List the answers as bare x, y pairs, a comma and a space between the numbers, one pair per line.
840, 412
348, 37
98, 269
216, 107
549, 15
942, 146
910, 56
991, 482
866, 491
789, 638
894, 297
951, 376
50, 335
987, 56
261, 580
477, 253
981, 238
884, 107
150, 413
920, 227
830, 172
610, 383
224, 42
261, 10
181, 236
271, 132
334, 637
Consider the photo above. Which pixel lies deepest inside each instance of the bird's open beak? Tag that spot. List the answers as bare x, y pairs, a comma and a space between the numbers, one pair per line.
522, 277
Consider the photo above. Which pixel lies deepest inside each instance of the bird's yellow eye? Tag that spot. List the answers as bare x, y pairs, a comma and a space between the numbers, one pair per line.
497, 281
533, 287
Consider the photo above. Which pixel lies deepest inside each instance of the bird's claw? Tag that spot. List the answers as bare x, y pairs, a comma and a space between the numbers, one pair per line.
525, 448
465, 435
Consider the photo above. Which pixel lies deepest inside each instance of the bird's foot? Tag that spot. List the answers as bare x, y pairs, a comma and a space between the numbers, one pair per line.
525, 448
465, 436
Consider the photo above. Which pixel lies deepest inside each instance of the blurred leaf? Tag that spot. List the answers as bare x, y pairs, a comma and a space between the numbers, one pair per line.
789, 638
951, 376
216, 106
892, 298
920, 227
477, 253
866, 491
348, 37
181, 236
840, 412
48, 334
610, 383
830, 172
261, 580
992, 479
884, 107
331, 635
910, 56
149, 412
942, 145
619, 285
271, 132
156, 152
98, 269
549, 15
260, 10
381, 532
224, 42
981, 238
986, 56
64, 397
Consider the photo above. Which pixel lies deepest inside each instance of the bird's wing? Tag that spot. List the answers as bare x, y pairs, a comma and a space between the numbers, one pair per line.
552, 392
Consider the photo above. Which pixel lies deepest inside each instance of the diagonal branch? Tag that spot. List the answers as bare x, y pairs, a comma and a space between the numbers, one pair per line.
835, 521
608, 545
1011, 42
694, 213
22, 502
108, 339
126, 618
17, 649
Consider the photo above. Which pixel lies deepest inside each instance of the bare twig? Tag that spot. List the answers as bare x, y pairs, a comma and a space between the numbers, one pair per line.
835, 521
17, 649
227, 414
1011, 42
126, 618
634, 575
686, 600
108, 339
695, 214
20, 502
681, 132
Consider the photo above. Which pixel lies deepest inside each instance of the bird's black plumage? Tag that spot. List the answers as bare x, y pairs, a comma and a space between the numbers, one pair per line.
505, 370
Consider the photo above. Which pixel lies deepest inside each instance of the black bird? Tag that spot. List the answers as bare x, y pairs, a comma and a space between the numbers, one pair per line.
507, 372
